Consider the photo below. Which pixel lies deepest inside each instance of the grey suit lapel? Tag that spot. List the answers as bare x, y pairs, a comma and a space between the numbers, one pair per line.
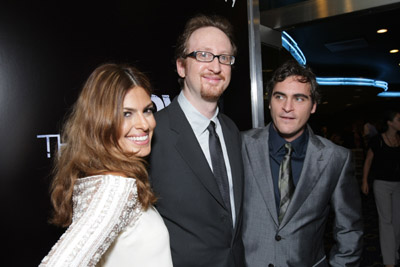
258, 154
315, 161
189, 149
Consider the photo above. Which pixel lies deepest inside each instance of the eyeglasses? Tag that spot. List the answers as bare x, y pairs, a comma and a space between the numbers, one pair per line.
203, 56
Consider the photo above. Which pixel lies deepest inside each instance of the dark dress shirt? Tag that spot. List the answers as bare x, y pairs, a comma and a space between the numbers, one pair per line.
277, 152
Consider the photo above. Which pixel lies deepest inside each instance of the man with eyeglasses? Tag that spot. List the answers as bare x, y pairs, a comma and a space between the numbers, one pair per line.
196, 166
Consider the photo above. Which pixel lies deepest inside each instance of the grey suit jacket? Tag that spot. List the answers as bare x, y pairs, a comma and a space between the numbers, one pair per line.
199, 224
326, 182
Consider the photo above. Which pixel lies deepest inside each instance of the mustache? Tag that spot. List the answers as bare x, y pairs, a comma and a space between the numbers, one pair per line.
214, 75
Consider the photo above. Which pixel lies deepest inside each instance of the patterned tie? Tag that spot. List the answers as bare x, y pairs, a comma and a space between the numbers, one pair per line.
286, 187
218, 164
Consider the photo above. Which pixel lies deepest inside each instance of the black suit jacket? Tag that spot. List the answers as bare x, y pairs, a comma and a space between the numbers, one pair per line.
189, 201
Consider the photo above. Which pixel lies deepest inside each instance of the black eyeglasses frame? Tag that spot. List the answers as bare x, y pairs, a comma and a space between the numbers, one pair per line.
194, 55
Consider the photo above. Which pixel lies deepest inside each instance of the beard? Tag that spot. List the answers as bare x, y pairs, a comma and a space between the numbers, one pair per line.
211, 94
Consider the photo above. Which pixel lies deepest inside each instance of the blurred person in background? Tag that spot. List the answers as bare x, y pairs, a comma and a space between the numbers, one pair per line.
382, 166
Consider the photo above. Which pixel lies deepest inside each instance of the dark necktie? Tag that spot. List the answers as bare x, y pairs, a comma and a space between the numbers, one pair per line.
286, 187
218, 164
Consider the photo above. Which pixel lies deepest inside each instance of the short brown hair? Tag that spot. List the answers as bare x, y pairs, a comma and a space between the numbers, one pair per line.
293, 68
201, 21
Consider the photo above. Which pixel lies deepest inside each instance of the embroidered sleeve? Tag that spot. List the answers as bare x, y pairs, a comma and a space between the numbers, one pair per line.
103, 206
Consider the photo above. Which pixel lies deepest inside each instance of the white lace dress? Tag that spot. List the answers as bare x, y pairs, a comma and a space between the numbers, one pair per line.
109, 228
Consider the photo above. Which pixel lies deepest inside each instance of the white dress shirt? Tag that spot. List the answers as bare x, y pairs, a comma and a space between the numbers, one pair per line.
199, 124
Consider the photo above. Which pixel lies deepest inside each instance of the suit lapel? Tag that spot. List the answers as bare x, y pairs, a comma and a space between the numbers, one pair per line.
258, 155
315, 161
188, 147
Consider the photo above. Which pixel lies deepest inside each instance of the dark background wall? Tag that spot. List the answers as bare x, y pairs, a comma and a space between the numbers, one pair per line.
47, 51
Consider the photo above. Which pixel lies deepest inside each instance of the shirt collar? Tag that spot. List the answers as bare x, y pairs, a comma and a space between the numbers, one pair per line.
276, 142
198, 121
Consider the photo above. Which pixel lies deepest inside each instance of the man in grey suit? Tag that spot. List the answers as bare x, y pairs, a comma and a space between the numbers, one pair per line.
293, 179
201, 209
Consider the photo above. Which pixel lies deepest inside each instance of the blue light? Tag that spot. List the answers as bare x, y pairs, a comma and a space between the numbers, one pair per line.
389, 94
290, 45
352, 81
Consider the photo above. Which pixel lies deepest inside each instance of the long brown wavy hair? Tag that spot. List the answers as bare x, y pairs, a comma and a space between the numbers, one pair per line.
91, 134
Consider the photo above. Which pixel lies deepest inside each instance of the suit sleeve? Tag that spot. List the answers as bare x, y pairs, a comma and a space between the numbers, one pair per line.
105, 208
348, 226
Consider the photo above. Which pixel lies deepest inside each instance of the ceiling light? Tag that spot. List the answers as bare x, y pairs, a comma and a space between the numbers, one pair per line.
290, 45
381, 30
389, 94
394, 51
352, 81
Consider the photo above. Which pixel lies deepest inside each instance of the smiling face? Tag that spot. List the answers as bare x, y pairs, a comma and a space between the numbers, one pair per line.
138, 122
291, 106
205, 81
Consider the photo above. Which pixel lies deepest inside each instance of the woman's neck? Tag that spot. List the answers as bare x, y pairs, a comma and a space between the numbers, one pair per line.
391, 138
391, 133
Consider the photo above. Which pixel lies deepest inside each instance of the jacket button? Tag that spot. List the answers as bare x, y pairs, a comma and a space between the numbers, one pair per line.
270, 265
278, 238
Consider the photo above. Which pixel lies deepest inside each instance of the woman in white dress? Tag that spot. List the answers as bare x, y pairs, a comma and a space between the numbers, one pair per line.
100, 189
